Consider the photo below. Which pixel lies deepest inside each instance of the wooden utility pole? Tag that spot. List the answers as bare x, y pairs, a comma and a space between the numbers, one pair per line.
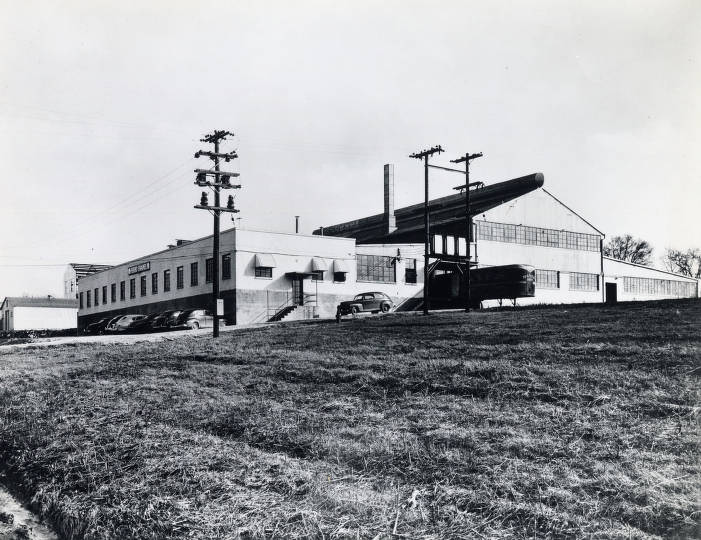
468, 222
222, 180
424, 155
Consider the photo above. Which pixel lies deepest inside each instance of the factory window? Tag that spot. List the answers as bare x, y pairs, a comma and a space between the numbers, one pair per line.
536, 236
87, 295
104, 294
122, 291
193, 274
166, 280
661, 287
143, 285
154, 283
179, 277
376, 268
209, 270
113, 293
132, 288
410, 271
80, 300
226, 266
264, 272
317, 275
97, 297
580, 281
339, 277
547, 279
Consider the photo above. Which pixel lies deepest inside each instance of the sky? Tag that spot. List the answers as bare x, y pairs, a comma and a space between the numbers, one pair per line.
103, 104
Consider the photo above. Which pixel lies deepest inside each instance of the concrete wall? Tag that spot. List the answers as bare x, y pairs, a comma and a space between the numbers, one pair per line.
42, 318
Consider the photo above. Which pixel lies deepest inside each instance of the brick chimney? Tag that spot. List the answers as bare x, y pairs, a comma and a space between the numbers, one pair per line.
390, 221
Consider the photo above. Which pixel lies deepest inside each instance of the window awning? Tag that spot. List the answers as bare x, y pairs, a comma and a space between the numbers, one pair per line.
265, 260
319, 265
340, 266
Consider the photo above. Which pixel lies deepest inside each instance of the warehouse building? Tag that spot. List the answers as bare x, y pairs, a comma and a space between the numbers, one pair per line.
38, 313
265, 276
73, 274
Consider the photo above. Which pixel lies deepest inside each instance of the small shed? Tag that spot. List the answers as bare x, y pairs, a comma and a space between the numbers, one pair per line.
38, 313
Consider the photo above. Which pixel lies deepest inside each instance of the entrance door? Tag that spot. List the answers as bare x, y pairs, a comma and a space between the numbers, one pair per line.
611, 293
298, 291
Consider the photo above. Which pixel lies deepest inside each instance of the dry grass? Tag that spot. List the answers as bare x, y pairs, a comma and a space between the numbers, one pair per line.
558, 422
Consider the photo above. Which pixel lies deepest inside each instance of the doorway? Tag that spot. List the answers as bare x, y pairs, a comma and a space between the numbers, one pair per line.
611, 293
298, 290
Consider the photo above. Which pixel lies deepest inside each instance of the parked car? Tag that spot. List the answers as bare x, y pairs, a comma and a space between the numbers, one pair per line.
372, 302
126, 323
97, 327
111, 325
165, 320
143, 325
196, 318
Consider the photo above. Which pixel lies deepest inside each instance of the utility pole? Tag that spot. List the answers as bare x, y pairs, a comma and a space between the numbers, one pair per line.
468, 221
222, 180
424, 154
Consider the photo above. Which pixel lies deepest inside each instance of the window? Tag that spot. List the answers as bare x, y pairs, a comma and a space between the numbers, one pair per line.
536, 236
89, 303
80, 300
97, 297
166, 280
376, 268
547, 279
143, 285
122, 291
410, 271
113, 293
209, 270
662, 287
132, 288
193, 274
584, 282
154, 283
104, 294
317, 275
226, 266
340, 277
179, 277
264, 272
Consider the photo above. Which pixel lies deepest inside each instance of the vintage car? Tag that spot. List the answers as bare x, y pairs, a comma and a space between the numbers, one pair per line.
372, 302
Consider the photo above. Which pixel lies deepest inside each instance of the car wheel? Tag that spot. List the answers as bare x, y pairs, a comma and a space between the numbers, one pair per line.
195, 325
385, 308
354, 310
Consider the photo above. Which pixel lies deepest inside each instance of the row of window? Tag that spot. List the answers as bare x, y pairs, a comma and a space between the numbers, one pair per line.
667, 287
579, 281
94, 295
536, 236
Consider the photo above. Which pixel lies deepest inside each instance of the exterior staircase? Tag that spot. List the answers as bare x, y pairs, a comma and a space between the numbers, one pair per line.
284, 312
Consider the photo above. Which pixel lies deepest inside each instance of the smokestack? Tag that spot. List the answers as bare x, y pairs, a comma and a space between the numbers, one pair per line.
390, 219
296, 224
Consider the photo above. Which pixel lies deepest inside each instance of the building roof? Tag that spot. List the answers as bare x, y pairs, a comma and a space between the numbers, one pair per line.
447, 213
84, 269
38, 301
690, 278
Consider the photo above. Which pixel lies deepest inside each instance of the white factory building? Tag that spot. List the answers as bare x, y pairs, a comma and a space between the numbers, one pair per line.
37, 313
266, 274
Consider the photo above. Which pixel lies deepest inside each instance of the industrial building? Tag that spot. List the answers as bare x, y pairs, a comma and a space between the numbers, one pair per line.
37, 313
265, 276
73, 274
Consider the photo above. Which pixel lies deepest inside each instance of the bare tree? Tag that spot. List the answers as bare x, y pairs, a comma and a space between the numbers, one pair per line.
627, 248
686, 262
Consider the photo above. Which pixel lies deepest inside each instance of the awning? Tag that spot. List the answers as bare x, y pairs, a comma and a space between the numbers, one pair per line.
339, 265
265, 260
319, 265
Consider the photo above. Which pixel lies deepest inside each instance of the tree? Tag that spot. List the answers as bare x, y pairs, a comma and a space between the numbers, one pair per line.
627, 248
686, 262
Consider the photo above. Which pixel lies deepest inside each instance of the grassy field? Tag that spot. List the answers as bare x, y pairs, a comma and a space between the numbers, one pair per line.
559, 422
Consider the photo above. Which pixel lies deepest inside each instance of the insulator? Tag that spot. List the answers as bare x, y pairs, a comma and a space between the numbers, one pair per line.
203, 199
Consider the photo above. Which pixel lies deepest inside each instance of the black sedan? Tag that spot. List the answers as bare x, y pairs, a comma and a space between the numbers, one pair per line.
372, 302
